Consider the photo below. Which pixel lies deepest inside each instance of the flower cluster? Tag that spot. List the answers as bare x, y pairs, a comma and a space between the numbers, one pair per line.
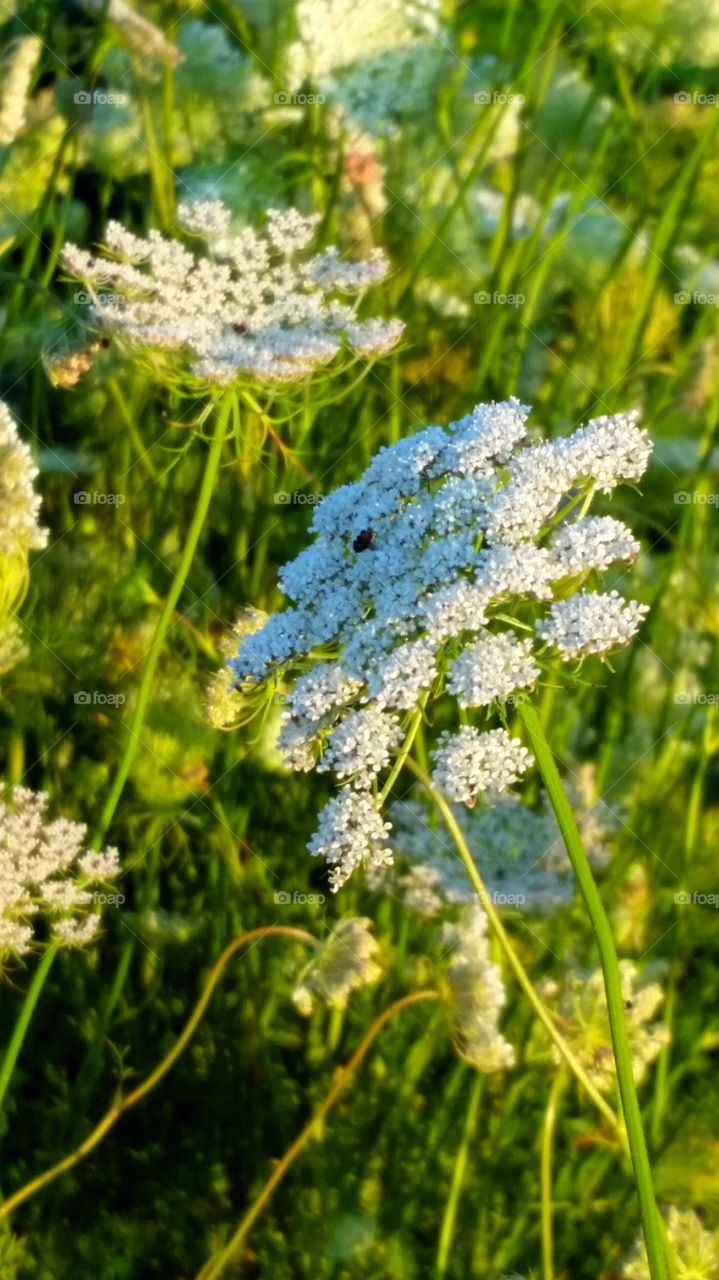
19, 504
432, 575
44, 871
478, 994
696, 1250
581, 1004
17, 80
20, 533
344, 962
375, 61
256, 306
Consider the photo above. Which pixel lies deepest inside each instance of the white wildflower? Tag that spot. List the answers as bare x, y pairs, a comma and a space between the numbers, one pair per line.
377, 60
19, 504
253, 307
478, 994
591, 622
592, 543
519, 850
344, 962
422, 577
16, 85
361, 746
351, 833
582, 1008
45, 872
492, 667
468, 763
696, 1250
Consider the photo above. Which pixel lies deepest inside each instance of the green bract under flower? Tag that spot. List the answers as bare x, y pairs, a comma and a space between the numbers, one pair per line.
431, 577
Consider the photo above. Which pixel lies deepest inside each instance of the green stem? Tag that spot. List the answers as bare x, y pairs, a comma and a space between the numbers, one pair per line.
613, 988
460, 1167
515, 963
198, 520
550, 1121
23, 1022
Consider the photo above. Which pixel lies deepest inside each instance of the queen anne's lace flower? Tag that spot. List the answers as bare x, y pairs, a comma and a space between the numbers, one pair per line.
19, 504
45, 872
597, 542
16, 84
591, 623
492, 667
696, 1250
255, 307
468, 763
344, 962
417, 577
478, 994
351, 833
582, 1007
376, 60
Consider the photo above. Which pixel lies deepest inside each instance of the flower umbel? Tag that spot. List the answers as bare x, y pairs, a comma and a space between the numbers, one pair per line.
44, 871
256, 307
429, 579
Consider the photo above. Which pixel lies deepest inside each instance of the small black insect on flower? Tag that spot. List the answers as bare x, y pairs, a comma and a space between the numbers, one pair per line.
240, 328
363, 541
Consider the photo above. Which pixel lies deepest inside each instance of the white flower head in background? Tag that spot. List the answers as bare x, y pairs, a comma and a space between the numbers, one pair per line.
17, 78
256, 307
696, 1250
345, 961
375, 61
45, 872
581, 1004
20, 533
444, 572
478, 994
